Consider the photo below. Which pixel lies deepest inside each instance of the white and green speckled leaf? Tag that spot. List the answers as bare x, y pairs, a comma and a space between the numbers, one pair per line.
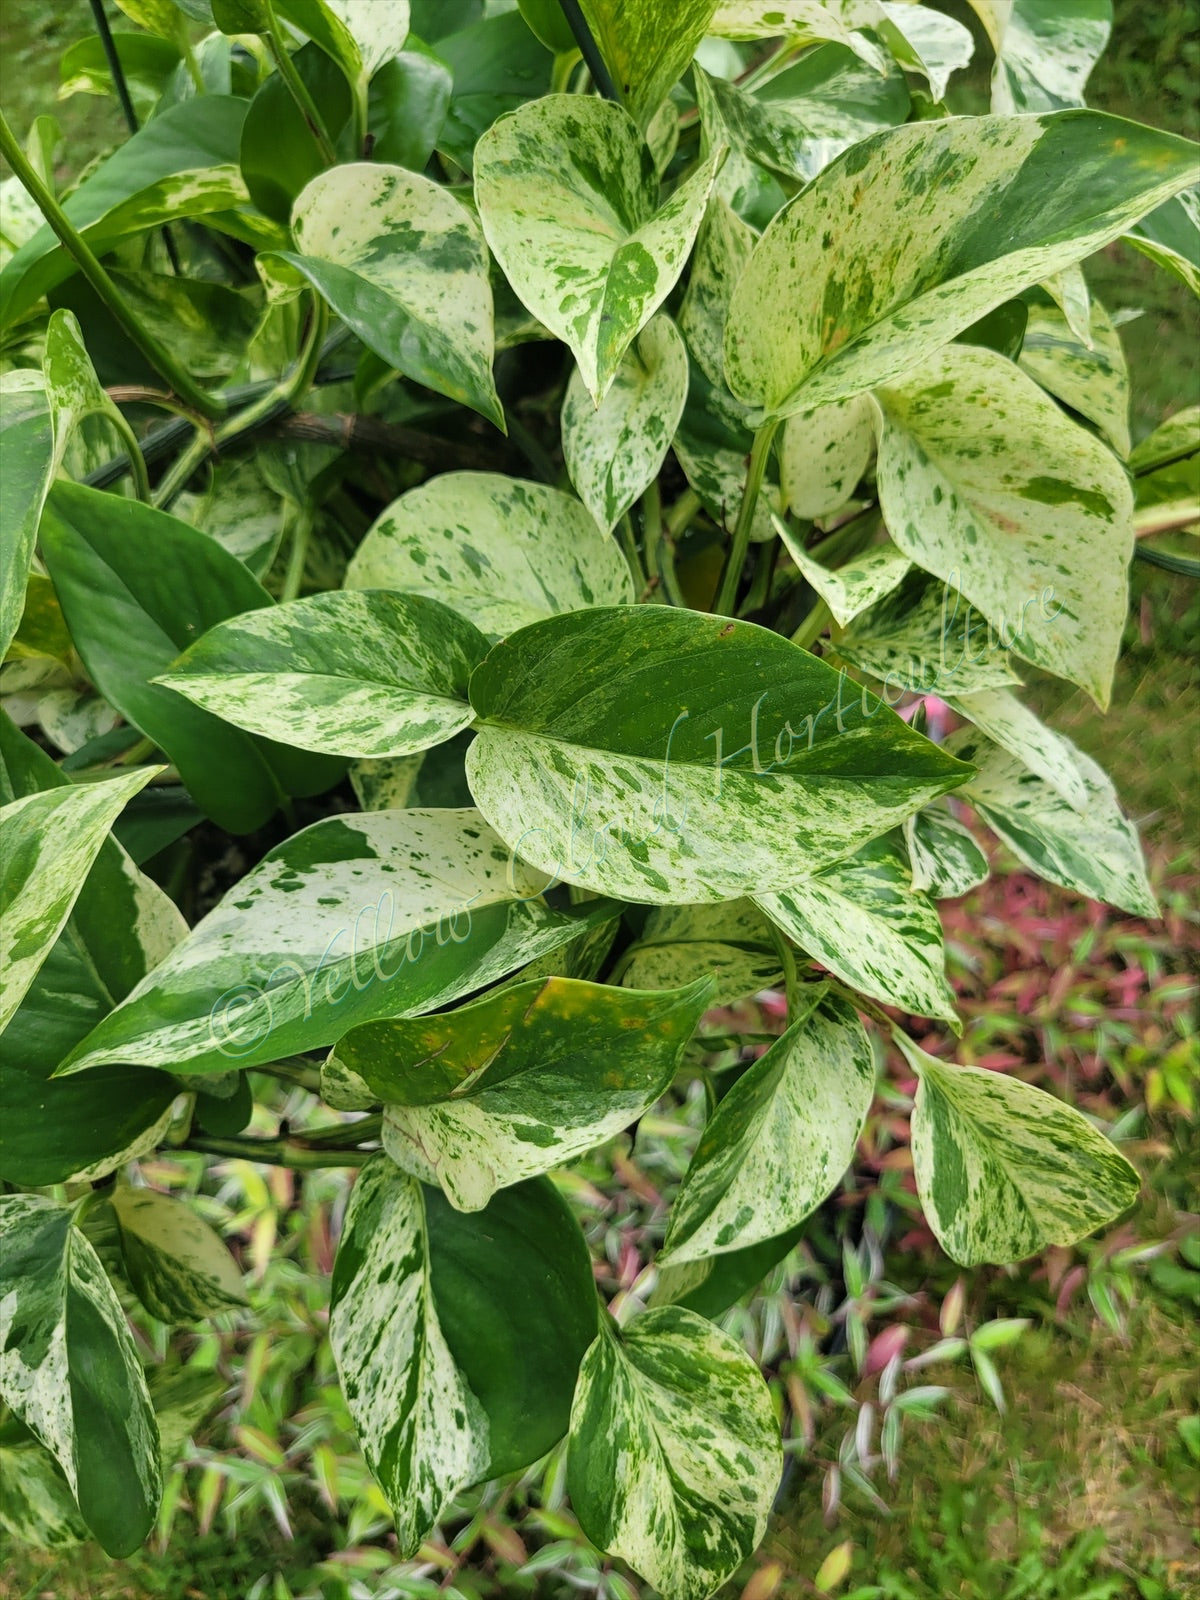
674, 1455
852, 589
35, 1504
647, 46
1004, 1169
914, 234
70, 1371
730, 940
502, 551
927, 41
1166, 465
1010, 723
179, 1268
568, 198
1170, 237
864, 921
668, 756
824, 453
360, 35
782, 1136
986, 484
1046, 51
1092, 378
1094, 850
240, 510
387, 913
351, 673
50, 840
521, 1081
385, 785
770, 19
614, 451
423, 1432
403, 264
723, 247
29, 466
945, 856
923, 638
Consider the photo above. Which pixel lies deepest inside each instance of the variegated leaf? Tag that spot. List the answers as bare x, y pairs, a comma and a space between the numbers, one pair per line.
1046, 52
985, 483
1010, 723
568, 198
723, 247
389, 913
768, 19
501, 551
917, 232
240, 510
647, 47
824, 453
363, 673
731, 940
712, 445
179, 1268
360, 35
674, 1456
1004, 1169
1170, 237
864, 921
29, 467
67, 1359
423, 1432
851, 589
946, 858
1166, 465
1094, 849
614, 451
667, 756
35, 1504
521, 1081
50, 840
923, 638
924, 40
1091, 377
782, 1136
402, 262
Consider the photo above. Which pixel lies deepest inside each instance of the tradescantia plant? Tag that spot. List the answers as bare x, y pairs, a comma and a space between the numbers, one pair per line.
532, 766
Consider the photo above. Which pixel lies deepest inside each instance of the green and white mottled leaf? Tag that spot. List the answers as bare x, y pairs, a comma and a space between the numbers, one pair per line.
945, 856
180, 1269
769, 19
851, 589
986, 484
28, 446
521, 1081
824, 453
782, 1136
667, 756
674, 1455
614, 451
387, 913
1046, 52
923, 638
723, 247
917, 232
864, 921
568, 198
50, 840
924, 40
647, 47
351, 673
712, 444
501, 551
730, 940
360, 35
385, 785
423, 1432
1167, 463
1009, 723
403, 263
70, 1371
1094, 850
240, 510
1170, 237
35, 1504
1092, 379
1004, 1169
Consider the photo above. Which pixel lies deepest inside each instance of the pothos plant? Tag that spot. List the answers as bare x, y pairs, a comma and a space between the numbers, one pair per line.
583, 750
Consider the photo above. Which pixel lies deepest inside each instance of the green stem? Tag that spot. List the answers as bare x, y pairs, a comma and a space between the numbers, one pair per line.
682, 514
192, 65
294, 577
629, 546
809, 631
362, 90
755, 472
137, 461
297, 88
276, 1152
787, 960
564, 65
80, 251
295, 1071
369, 1127
652, 535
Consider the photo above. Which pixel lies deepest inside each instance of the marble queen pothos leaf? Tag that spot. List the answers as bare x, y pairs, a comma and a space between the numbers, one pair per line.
521, 1081
1004, 1169
1045, 51
730, 940
647, 47
781, 1138
674, 1456
914, 234
986, 484
361, 673
501, 551
947, 860
403, 263
360, 35
180, 1269
568, 198
387, 913
69, 1369
668, 756
1092, 378
864, 921
1010, 723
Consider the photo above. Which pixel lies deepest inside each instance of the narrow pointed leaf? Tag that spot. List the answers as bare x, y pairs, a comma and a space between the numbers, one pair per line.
28, 446
723, 247
646, 47
179, 1267
1009, 723
1004, 1169
856, 587
1170, 237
